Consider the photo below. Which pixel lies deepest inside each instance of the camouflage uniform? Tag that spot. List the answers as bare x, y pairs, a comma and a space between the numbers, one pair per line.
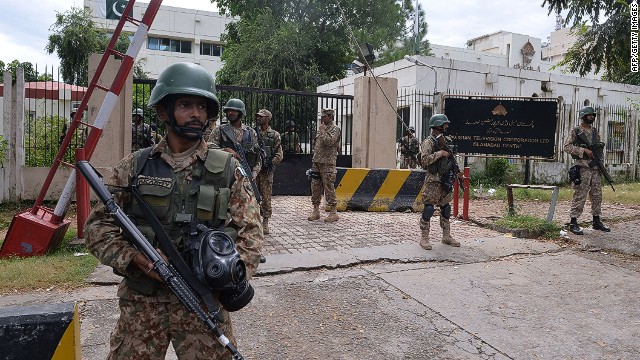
409, 149
217, 139
290, 142
149, 321
140, 136
325, 152
265, 179
433, 193
591, 179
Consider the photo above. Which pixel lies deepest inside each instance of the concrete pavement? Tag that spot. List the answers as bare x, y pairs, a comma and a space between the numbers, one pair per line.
362, 288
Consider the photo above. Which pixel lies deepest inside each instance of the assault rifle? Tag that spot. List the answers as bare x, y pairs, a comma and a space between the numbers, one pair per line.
597, 157
243, 161
451, 173
171, 277
265, 152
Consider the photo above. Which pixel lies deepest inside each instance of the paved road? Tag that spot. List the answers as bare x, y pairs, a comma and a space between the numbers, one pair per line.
362, 288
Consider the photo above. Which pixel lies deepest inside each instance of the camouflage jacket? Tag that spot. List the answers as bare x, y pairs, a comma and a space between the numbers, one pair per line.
290, 142
429, 154
140, 136
326, 143
274, 143
105, 240
409, 146
216, 139
572, 148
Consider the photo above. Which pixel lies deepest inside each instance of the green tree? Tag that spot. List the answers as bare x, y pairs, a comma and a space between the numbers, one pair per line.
604, 37
74, 36
29, 72
295, 45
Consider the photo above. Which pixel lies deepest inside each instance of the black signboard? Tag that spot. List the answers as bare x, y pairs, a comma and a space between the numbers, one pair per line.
523, 127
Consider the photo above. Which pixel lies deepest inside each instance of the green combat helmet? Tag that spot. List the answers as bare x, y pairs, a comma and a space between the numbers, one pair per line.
235, 104
438, 120
587, 110
186, 79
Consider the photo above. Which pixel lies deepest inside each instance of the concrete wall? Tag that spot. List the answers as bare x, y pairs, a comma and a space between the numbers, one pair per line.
371, 136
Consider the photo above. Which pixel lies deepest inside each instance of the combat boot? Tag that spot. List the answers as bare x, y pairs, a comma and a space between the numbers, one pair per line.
333, 215
446, 233
598, 225
424, 241
315, 215
265, 226
574, 227
327, 208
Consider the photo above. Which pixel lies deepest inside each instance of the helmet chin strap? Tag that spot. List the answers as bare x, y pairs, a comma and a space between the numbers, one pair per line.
184, 132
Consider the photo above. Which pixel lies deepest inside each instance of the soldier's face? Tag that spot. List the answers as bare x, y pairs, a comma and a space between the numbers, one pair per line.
589, 118
262, 120
326, 119
233, 115
191, 111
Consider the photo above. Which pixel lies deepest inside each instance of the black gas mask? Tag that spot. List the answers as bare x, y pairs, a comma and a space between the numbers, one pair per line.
214, 260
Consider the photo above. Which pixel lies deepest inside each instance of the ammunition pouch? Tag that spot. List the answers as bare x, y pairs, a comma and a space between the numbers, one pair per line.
574, 175
313, 175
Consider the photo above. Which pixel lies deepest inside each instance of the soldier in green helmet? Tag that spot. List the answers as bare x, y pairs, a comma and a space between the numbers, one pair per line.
140, 132
185, 181
409, 149
435, 160
587, 180
243, 135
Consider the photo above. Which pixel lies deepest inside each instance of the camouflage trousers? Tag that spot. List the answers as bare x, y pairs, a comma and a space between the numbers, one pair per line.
326, 184
434, 194
591, 185
408, 162
145, 329
265, 186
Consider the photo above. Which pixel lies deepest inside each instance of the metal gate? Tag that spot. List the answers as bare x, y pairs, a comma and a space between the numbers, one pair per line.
300, 107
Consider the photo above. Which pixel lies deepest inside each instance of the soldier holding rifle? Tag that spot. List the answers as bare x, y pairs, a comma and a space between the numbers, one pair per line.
585, 146
437, 158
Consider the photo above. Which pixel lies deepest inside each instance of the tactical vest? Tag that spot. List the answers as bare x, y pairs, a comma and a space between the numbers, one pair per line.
249, 143
289, 141
270, 143
439, 166
175, 203
599, 146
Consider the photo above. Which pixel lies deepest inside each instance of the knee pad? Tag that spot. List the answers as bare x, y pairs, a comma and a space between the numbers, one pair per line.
445, 211
427, 212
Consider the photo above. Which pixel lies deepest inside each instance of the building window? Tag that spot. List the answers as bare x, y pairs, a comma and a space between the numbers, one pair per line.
166, 44
210, 49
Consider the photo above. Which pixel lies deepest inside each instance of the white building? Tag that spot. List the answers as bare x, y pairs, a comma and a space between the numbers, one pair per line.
176, 35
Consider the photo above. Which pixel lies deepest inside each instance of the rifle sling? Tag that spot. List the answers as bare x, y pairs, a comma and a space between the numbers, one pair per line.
176, 259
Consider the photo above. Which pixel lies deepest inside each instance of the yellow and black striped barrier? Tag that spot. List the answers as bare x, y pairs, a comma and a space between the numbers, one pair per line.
44, 331
379, 189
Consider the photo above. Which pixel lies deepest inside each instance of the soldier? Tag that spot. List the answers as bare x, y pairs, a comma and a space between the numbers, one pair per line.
323, 177
435, 160
140, 132
290, 139
588, 179
273, 156
234, 111
170, 174
409, 149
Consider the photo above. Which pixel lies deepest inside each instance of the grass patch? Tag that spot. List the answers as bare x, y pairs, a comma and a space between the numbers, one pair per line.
627, 194
59, 269
535, 225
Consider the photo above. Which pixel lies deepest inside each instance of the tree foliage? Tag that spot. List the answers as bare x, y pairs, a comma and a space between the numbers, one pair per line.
74, 36
295, 45
29, 72
604, 37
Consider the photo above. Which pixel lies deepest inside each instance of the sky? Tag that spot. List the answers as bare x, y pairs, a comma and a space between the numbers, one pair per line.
24, 25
